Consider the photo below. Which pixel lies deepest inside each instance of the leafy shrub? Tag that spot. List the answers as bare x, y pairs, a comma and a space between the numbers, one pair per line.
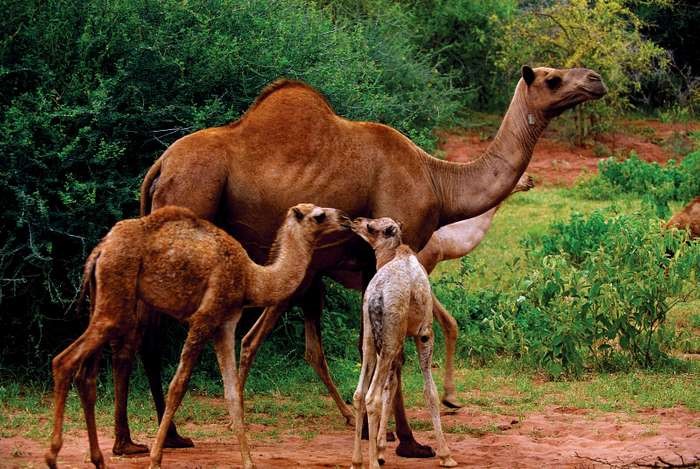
656, 184
91, 92
595, 293
559, 34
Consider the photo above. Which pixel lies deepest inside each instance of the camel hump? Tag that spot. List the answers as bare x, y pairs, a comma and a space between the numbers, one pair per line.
292, 87
167, 214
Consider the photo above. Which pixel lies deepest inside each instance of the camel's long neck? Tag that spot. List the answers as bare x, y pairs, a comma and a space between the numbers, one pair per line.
385, 255
467, 190
280, 278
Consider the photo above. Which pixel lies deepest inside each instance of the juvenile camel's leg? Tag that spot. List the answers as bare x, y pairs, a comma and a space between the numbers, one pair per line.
86, 382
312, 306
408, 446
122, 361
150, 357
200, 331
373, 403
359, 398
424, 345
387, 399
225, 346
449, 330
64, 367
256, 335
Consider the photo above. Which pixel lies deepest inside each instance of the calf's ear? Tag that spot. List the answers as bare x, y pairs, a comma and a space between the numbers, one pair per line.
528, 74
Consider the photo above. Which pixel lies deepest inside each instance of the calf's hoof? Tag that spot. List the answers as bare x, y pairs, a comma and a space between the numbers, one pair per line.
413, 449
448, 462
50, 460
127, 447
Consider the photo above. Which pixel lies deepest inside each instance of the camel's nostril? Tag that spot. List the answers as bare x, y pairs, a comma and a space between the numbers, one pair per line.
594, 77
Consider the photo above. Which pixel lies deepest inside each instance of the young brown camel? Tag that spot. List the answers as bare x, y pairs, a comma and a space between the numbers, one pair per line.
397, 304
245, 174
195, 272
688, 219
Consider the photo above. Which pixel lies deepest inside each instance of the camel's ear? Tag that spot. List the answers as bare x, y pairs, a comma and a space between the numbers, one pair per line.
390, 231
298, 214
528, 74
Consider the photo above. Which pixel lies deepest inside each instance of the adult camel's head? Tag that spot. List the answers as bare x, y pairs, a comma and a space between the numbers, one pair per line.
552, 91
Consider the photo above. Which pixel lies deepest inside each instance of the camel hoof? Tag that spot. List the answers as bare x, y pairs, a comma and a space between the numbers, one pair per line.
128, 447
451, 402
447, 462
413, 449
50, 459
173, 440
381, 461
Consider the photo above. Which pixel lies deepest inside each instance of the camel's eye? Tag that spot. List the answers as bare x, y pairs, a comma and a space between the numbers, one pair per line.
370, 230
553, 82
320, 218
390, 231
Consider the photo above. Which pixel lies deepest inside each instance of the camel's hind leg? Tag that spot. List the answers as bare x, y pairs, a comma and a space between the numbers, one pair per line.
424, 345
313, 307
86, 382
123, 352
225, 346
369, 361
64, 367
374, 402
449, 330
388, 394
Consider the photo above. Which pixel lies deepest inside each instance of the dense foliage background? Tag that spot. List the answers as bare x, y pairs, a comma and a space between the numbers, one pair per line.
91, 92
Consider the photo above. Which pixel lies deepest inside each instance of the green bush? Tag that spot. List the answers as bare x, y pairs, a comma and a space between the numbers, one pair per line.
657, 185
92, 92
594, 293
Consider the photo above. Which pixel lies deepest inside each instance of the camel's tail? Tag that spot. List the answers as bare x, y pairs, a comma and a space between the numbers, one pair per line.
148, 186
88, 281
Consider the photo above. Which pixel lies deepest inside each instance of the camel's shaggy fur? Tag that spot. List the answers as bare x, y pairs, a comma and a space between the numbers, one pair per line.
193, 271
397, 304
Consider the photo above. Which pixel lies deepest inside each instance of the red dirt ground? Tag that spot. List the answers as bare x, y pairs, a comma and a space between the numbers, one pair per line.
558, 437
556, 162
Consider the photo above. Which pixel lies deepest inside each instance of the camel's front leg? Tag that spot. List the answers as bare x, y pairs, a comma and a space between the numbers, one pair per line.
424, 345
225, 346
449, 330
313, 307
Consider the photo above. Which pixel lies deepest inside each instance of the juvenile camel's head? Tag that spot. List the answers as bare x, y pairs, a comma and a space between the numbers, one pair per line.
380, 233
552, 91
313, 222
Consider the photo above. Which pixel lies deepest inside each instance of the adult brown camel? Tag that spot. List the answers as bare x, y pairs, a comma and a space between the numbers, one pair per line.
289, 147
688, 218
193, 271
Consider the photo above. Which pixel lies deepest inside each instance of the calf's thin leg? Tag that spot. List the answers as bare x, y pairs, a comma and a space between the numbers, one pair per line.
424, 345
256, 335
225, 346
359, 398
86, 382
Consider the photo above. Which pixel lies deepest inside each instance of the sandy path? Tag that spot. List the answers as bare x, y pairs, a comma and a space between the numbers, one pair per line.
559, 437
